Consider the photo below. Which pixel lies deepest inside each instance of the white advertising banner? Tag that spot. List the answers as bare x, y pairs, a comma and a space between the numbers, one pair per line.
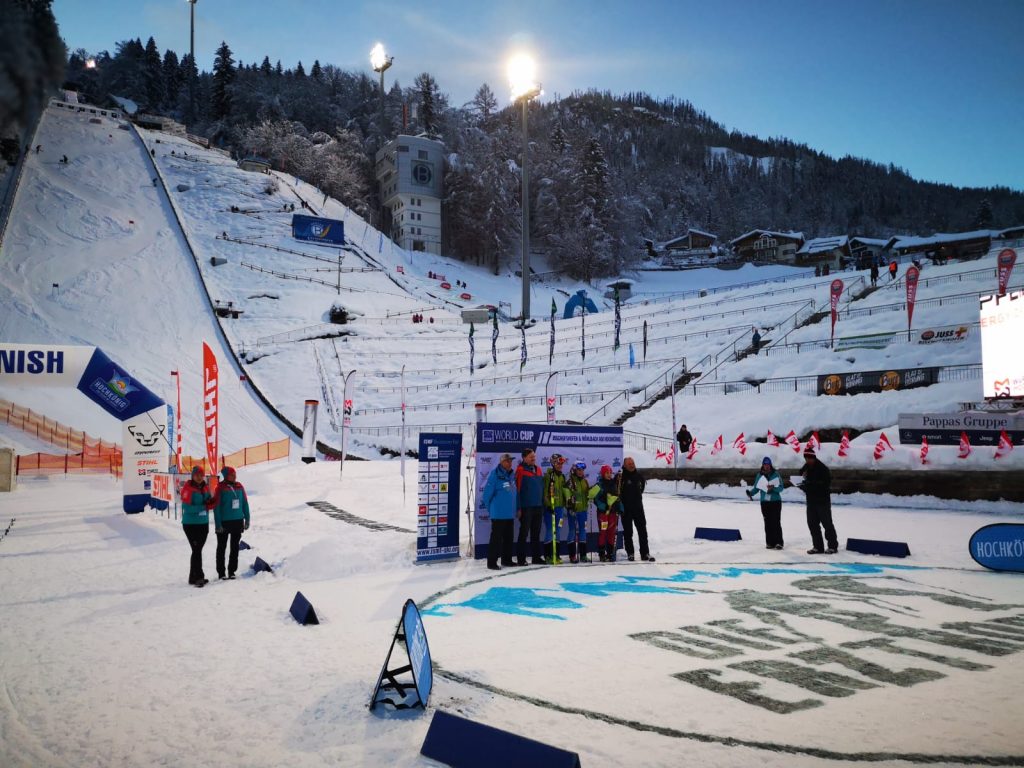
1002, 328
146, 453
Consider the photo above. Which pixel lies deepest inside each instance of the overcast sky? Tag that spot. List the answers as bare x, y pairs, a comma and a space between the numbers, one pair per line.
933, 86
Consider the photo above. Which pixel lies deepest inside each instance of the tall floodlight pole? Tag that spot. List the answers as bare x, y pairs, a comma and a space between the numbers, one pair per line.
380, 61
192, 62
521, 74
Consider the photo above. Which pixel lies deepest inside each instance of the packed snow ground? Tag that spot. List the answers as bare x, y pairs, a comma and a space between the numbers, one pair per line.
109, 659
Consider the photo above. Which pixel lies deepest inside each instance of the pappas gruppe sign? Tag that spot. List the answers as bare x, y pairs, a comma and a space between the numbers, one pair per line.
876, 381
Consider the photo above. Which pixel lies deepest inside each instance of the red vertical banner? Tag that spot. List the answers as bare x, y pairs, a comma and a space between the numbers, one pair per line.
912, 274
1004, 264
835, 291
210, 417
177, 425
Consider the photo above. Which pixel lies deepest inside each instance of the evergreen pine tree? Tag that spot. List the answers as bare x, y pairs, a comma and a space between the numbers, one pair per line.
427, 94
154, 76
316, 72
223, 77
300, 71
265, 69
172, 77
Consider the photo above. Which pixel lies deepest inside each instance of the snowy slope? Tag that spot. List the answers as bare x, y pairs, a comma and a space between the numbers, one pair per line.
100, 230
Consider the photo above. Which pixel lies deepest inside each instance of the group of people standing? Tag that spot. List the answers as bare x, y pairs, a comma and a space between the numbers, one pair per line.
816, 483
539, 499
230, 507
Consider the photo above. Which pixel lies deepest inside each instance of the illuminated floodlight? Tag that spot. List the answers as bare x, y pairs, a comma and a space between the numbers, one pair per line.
522, 77
379, 58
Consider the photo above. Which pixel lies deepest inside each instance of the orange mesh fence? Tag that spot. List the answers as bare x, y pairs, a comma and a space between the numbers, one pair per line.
255, 454
50, 464
55, 433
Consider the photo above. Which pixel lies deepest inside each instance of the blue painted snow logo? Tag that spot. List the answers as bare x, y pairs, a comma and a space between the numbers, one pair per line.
544, 603
319, 230
115, 390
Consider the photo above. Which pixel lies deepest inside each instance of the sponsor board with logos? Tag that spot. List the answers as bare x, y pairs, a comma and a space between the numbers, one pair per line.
982, 427
594, 445
437, 496
876, 381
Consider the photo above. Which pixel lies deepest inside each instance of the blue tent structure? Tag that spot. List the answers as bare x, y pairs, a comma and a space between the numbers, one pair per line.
579, 300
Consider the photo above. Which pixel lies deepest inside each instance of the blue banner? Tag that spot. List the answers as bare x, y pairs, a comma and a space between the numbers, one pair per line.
437, 520
108, 384
999, 547
318, 230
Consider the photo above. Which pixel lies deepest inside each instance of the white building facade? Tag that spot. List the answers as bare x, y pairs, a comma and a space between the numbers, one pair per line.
409, 170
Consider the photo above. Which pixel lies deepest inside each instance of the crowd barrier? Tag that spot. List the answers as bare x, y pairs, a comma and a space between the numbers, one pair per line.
54, 432
68, 463
257, 454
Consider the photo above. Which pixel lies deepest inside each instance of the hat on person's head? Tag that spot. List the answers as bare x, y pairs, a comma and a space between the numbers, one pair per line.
605, 468
198, 469
580, 465
526, 452
557, 457
809, 452
506, 457
227, 471
766, 460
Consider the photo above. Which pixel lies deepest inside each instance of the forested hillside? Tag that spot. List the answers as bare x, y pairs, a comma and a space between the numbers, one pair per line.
607, 170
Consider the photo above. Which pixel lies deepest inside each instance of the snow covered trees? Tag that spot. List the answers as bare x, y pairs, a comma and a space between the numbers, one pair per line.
223, 77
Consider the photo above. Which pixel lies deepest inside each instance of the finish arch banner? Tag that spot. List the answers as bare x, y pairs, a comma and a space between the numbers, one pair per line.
142, 414
594, 445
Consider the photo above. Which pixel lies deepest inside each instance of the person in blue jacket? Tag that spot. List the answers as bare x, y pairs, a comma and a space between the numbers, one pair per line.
231, 516
501, 501
768, 484
195, 520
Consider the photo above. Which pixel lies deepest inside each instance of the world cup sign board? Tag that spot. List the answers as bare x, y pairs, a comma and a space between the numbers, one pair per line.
1002, 327
595, 446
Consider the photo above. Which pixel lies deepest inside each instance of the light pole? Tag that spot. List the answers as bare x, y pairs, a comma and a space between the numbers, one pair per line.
380, 61
192, 61
521, 73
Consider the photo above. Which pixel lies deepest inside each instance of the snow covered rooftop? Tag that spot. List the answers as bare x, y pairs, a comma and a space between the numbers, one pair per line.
823, 244
769, 233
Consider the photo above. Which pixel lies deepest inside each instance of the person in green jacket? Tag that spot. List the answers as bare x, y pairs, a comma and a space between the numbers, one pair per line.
231, 516
768, 484
578, 506
195, 520
554, 506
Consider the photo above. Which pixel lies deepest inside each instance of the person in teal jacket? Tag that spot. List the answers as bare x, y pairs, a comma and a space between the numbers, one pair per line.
231, 516
768, 484
195, 520
500, 498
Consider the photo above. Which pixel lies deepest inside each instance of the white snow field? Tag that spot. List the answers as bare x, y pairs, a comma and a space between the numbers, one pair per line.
718, 653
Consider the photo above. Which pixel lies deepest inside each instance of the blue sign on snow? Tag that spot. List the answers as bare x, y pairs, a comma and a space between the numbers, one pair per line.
437, 501
318, 230
999, 546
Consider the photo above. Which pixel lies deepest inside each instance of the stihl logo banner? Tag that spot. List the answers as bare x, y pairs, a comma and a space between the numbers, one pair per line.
210, 406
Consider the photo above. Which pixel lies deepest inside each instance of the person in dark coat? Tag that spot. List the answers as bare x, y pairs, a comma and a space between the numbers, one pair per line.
684, 438
499, 497
231, 514
755, 341
817, 486
633, 484
530, 487
768, 485
195, 520
874, 274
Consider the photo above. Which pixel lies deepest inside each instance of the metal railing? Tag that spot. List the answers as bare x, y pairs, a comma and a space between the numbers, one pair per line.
664, 379
809, 384
881, 339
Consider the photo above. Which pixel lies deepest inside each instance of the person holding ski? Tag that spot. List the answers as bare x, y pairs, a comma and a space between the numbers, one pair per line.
530, 489
633, 484
606, 495
554, 507
231, 516
195, 520
578, 506
499, 497
768, 484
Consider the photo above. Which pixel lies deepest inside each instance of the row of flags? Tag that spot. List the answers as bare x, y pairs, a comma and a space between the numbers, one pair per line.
882, 447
